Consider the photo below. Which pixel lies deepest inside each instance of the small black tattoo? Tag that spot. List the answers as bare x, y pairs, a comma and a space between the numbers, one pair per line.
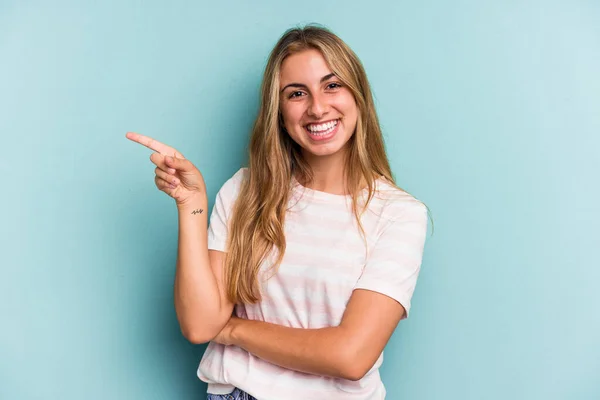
198, 211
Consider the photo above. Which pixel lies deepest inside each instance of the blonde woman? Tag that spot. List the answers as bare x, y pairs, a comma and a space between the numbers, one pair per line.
312, 252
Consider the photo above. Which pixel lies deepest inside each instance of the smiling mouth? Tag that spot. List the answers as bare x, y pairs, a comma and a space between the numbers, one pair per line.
322, 129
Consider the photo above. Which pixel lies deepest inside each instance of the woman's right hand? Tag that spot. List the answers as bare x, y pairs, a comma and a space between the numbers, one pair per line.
175, 175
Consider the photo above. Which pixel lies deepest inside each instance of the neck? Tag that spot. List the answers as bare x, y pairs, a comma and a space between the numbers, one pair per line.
328, 173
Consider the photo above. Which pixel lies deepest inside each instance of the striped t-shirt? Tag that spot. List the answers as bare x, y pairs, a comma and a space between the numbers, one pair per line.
324, 261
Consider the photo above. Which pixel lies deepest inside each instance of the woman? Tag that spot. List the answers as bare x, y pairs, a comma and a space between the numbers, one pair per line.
313, 248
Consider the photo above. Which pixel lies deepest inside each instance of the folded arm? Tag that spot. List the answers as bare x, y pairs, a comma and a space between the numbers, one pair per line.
346, 351
349, 350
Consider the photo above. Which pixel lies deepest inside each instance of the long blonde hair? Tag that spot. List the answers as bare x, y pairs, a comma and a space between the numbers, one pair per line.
257, 224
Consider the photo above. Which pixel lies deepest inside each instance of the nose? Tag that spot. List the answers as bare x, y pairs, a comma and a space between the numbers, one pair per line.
318, 106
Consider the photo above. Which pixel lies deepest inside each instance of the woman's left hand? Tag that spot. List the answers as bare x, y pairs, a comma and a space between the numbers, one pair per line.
225, 336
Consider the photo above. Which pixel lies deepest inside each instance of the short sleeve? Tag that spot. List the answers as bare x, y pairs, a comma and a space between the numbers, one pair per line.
394, 262
221, 212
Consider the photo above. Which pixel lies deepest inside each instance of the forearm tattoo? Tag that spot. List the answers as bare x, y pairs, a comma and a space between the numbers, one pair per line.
198, 211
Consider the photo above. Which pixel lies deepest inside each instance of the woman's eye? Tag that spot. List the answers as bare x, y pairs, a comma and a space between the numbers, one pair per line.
334, 86
295, 94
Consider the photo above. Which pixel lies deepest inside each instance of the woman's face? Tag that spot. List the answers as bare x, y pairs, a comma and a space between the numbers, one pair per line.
319, 112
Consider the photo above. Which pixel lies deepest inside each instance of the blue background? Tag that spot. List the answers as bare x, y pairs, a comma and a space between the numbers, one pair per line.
491, 112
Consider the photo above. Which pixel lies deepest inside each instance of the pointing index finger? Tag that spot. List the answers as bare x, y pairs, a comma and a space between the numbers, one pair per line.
153, 144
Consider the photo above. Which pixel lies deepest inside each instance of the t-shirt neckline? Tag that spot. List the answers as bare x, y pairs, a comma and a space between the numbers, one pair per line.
324, 196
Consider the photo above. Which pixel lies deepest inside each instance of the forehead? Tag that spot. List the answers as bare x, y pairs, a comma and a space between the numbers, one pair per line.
307, 66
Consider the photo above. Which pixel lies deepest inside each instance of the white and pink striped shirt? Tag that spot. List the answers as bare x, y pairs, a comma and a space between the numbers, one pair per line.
324, 262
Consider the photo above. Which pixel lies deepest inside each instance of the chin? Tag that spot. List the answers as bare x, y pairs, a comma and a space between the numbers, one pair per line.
325, 150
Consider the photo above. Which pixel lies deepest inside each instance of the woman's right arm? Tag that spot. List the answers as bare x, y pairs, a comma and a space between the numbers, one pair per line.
201, 303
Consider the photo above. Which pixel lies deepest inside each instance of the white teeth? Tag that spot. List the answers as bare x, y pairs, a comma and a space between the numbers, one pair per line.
322, 129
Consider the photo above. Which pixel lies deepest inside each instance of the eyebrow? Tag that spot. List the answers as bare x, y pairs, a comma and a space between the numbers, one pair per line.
301, 85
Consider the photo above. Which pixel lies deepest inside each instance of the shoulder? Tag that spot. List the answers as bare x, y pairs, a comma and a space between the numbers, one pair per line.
393, 203
232, 186
238, 177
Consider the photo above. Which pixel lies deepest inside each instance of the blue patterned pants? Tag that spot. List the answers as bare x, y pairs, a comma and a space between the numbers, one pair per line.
237, 394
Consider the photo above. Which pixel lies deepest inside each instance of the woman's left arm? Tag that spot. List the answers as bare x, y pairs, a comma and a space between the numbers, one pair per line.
346, 351
373, 311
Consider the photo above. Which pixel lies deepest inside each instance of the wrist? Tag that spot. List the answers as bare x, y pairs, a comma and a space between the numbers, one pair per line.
198, 201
